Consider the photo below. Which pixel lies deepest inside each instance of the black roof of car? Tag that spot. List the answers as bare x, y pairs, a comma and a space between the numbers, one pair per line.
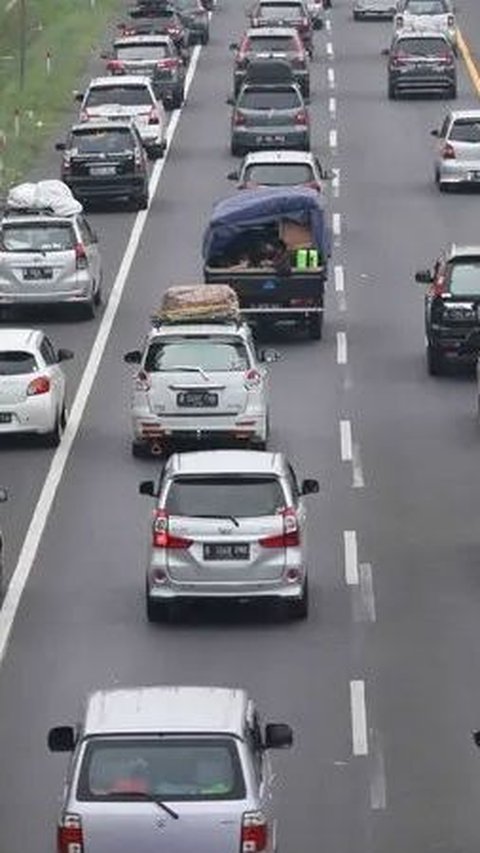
269, 72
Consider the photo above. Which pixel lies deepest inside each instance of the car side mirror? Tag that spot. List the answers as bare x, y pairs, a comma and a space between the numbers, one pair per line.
310, 487
133, 357
61, 739
3, 495
60, 146
268, 356
278, 736
233, 46
230, 101
476, 738
424, 277
435, 132
233, 176
385, 51
147, 487
78, 96
64, 354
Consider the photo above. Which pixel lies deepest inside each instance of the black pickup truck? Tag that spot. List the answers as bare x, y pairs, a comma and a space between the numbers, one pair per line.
287, 283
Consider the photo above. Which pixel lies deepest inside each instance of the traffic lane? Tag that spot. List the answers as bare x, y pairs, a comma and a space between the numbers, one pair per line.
417, 517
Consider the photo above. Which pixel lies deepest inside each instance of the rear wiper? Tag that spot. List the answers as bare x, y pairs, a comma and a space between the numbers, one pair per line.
228, 517
142, 795
190, 368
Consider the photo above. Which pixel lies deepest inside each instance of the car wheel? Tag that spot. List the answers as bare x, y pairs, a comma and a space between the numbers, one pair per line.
97, 297
392, 92
154, 152
443, 187
299, 609
315, 327
205, 38
89, 309
158, 611
139, 449
356, 16
54, 437
435, 361
178, 99
236, 150
306, 90
141, 201
452, 92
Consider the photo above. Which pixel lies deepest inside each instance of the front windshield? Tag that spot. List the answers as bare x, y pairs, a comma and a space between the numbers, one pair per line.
224, 355
465, 277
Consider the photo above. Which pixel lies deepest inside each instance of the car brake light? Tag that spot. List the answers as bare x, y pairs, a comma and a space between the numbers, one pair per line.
253, 379
115, 66
438, 286
290, 538
70, 834
162, 538
167, 63
154, 117
446, 59
448, 152
314, 185
173, 31
142, 381
254, 832
239, 118
81, 260
39, 385
301, 117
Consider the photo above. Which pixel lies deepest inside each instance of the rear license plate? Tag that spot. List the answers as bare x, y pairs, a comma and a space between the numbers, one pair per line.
197, 399
102, 170
277, 137
5, 418
226, 551
37, 273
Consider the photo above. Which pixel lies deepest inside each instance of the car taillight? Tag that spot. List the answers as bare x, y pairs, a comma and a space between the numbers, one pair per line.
81, 260
154, 117
301, 117
39, 385
70, 834
173, 31
161, 536
399, 59
115, 66
450, 21
84, 115
448, 152
253, 379
66, 162
446, 59
167, 63
254, 832
239, 118
142, 381
314, 185
290, 538
303, 24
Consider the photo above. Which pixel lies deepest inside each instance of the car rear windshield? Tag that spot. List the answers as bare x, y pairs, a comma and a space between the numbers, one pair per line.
16, 362
187, 5
465, 130
274, 10
271, 44
196, 355
433, 7
129, 52
33, 237
240, 496
269, 99
102, 141
422, 47
167, 768
124, 96
465, 277
276, 174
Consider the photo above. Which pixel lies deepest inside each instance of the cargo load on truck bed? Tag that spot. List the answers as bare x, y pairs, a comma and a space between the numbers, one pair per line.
198, 303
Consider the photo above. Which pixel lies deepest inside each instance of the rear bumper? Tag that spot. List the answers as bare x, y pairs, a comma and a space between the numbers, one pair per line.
115, 187
149, 429
459, 172
273, 591
78, 296
30, 416
422, 82
374, 14
449, 344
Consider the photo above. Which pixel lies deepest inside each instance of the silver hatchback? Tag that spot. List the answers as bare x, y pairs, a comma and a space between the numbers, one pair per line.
457, 155
231, 526
169, 770
46, 259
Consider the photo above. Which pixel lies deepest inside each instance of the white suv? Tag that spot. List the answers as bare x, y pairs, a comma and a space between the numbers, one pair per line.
123, 97
199, 382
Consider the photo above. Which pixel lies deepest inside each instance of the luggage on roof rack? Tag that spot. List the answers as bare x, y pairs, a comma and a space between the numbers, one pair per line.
198, 303
50, 197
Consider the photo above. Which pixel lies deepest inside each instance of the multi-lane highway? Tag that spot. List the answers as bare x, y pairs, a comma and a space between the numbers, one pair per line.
382, 682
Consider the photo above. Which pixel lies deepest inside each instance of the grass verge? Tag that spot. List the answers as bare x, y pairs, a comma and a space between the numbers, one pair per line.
66, 30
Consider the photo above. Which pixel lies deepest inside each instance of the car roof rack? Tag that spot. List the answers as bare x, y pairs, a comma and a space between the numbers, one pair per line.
158, 322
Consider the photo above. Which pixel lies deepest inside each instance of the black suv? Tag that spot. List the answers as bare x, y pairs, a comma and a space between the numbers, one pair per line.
423, 63
105, 160
452, 307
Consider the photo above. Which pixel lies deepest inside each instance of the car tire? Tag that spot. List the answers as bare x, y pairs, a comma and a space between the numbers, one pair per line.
452, 92
158, 611
139, 449
141, 201
306, 90
155, 152
357, 16
178, 100
392, 92
315, 327
435, 361
54, 437
236, 150
299, 609
205, 38
88, 310
443, 186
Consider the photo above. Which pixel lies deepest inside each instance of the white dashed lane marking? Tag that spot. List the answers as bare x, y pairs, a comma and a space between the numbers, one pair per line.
341, 348
359, 718
350, 548
346, 441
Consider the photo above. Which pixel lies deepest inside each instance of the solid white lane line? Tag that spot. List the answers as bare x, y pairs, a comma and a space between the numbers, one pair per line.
47, 495
339, 279
346, 441
378, 783
333, 138
350, 547
341, 348
336, 224
358, 481
367, 593
329, 48
332, 106
331, 77
359, 718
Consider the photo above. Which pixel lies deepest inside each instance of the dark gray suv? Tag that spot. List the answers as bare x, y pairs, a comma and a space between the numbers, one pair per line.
421, 62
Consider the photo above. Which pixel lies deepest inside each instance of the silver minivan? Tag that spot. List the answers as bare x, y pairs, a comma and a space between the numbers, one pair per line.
169, 770
229, 525
457, 155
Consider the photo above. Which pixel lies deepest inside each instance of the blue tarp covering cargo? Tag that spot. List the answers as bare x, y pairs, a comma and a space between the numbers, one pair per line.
259, 207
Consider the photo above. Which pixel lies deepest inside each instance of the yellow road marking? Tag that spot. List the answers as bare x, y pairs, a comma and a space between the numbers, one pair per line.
469, 61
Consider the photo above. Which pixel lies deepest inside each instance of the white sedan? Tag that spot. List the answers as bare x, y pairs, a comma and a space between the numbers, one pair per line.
32, 385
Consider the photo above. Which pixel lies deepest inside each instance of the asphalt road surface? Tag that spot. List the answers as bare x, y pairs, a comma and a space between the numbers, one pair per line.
382, 683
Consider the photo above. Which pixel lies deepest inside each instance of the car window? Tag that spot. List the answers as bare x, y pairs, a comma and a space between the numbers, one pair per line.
269, 99
37, 237
241, 496
124, 96
101, 141
422, 46
264, 44
279, 174
182, 769
464, 277
465, 130
209, 355
293, 483
274, 10
423, 7
445, 126
129, 52
16, 362
48, 352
